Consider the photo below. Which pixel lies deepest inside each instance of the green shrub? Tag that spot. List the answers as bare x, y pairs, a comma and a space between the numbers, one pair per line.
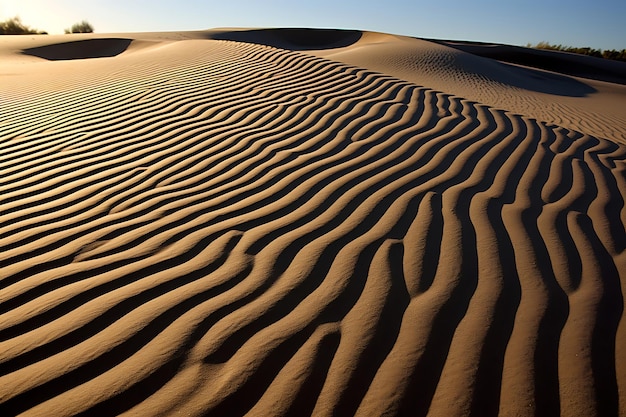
14, 26
81, 27
598, 53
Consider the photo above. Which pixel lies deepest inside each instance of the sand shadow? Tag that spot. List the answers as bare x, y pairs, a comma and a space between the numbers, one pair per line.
83, 49
295, 39
546, 82
556, 61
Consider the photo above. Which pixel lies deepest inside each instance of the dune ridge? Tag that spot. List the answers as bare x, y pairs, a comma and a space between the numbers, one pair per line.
581, 104
247, 230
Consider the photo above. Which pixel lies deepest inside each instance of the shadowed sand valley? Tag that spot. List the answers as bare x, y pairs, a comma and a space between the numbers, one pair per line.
308, 222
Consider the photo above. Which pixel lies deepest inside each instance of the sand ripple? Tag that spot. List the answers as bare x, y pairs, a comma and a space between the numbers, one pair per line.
247, 229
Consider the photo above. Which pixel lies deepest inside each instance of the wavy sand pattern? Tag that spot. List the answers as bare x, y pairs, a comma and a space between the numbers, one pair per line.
213, 227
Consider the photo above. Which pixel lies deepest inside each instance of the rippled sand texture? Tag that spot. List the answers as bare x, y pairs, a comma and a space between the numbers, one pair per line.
213, 227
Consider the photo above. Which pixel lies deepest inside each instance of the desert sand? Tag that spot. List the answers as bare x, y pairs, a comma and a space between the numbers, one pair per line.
272, 222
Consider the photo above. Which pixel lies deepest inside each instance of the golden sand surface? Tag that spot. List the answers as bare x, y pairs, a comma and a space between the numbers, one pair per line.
273, 222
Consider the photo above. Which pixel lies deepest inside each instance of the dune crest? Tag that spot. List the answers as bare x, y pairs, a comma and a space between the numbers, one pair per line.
583, 104
295, 39
215, 227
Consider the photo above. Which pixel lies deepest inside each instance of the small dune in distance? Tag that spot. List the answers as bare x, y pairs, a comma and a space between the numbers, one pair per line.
292, 222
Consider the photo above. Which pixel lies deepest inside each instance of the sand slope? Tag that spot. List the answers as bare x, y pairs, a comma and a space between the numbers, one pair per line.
216, 224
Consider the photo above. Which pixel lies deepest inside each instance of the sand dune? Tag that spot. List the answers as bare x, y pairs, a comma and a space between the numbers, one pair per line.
295, 222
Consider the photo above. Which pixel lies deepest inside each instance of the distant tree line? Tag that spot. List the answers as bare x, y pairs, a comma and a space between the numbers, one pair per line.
598, 53
14, 26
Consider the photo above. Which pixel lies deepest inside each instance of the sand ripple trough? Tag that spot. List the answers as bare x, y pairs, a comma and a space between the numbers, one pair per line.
240, 229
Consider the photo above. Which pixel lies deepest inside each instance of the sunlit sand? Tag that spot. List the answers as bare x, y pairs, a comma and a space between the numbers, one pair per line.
298, 222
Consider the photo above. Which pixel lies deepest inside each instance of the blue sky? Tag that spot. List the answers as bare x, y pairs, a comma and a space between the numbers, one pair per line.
598, 24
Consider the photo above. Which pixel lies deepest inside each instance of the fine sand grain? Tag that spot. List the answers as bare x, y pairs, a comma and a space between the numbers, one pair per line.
296, 222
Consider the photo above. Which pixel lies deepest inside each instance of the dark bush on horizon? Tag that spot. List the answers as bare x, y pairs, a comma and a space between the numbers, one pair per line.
81, 27
14, 26
598, 53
